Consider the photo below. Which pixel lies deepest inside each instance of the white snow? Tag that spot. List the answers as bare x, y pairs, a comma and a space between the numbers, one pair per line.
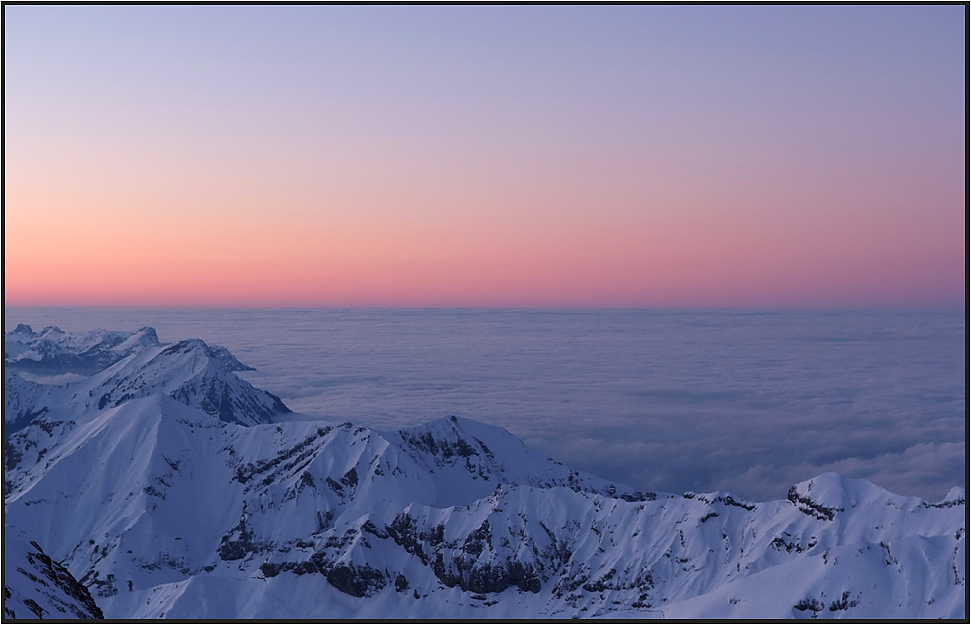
164, 510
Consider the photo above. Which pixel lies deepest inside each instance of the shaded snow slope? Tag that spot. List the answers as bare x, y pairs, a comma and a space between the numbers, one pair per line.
165, 509
36, 587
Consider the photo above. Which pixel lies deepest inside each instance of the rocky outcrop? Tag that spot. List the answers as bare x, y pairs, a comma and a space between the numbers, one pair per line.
37, 587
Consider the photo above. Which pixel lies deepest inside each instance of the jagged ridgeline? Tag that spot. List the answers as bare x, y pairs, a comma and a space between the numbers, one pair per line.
153, 478
100, 369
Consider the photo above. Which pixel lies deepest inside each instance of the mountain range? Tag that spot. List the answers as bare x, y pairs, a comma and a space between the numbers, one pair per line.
148, 480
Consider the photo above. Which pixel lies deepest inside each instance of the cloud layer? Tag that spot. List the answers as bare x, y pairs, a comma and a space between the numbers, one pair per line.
749, 402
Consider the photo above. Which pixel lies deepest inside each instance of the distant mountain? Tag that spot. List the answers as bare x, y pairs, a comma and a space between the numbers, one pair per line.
65, 376
53, 351
163, 508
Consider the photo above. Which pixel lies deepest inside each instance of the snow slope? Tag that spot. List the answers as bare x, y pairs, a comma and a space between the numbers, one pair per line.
37, 587
165, 509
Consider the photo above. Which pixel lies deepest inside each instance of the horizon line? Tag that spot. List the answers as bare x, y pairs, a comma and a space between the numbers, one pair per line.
6, 306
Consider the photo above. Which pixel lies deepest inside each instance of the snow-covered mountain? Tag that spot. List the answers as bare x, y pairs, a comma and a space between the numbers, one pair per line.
64, 376
54, 351
164, 508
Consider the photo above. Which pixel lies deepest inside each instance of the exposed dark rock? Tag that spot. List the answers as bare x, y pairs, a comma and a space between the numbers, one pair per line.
639, 496
83, 605
371, 528
731, 501
11, 456
350, 478
600, 585
843, 603
360, 581
404, 533
946, 504
778, 543
272, 569
237, 543
300, 451
486, 579
809, 603
478, 540
23, 419
36, 609
807, 506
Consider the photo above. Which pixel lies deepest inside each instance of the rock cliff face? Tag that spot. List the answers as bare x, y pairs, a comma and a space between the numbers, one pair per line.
37, 587
162, 507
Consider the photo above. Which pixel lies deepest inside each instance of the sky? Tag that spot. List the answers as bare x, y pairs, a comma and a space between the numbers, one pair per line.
642, 156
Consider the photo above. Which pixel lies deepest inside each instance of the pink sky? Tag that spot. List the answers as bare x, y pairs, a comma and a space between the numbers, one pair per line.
540, 182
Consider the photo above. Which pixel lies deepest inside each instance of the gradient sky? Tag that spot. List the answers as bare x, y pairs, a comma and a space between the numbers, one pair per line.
485, 156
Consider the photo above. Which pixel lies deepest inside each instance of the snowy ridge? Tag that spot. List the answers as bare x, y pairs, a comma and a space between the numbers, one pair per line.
164, 509
88, 372
458, 455
54, 351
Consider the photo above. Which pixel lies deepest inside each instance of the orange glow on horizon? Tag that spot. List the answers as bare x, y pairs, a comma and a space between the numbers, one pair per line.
461, 173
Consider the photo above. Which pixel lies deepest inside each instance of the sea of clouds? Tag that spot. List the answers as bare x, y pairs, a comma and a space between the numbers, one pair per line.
745, 401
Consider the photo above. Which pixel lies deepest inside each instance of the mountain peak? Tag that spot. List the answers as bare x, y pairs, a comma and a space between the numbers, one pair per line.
829, 494
110, 368
470, 458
